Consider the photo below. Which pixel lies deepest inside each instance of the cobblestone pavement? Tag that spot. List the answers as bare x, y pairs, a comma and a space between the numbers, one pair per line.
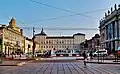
73, 67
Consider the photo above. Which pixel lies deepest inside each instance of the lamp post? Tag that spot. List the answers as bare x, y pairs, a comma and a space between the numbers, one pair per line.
33, 41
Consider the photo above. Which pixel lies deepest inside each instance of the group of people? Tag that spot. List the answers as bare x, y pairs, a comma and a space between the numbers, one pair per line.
86, 56
2, 55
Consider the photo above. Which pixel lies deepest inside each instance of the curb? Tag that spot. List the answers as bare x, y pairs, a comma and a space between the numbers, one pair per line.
79, 59
18, 64
103, 62
8, 65
23, 63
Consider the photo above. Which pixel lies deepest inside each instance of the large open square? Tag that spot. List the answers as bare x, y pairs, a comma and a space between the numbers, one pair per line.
59, 36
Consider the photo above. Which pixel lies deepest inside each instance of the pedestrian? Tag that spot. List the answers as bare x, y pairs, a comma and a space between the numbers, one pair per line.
91, 55
1, 56
85, 57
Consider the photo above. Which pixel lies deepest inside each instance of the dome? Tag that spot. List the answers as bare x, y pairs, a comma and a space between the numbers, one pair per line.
12, 22
42, 33
97, 35
79, 34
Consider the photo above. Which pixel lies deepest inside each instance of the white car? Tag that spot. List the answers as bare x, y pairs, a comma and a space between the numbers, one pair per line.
100, 52
38, 54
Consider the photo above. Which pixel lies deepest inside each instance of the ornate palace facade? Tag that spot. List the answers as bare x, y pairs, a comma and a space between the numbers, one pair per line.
59, 42
12, 39
110, 29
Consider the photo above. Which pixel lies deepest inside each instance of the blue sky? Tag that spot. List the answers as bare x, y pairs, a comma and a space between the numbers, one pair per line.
30, 12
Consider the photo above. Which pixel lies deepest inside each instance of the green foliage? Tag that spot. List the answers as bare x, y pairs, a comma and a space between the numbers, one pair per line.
0, 41
0, 44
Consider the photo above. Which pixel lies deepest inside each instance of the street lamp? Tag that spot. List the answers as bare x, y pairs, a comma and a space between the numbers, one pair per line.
33, 41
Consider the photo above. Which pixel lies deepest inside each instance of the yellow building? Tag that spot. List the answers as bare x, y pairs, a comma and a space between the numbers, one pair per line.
11, 38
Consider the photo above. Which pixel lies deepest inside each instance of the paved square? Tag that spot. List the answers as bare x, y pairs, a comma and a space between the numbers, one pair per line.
73, 67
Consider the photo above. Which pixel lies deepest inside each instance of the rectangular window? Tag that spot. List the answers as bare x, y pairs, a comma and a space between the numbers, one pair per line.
107, 32
113, 25
60, 42
41, 46
119, 28
110, 31
67, 46
115, 29
41, 42
49, 42
46, 42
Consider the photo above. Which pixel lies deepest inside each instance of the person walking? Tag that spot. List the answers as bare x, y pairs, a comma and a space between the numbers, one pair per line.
85, 57
91, 55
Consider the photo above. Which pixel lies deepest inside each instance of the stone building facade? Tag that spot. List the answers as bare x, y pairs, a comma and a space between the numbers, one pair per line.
12, 39
91, 44
59, 42
110, 29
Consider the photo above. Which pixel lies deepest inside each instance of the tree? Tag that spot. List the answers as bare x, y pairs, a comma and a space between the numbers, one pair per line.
0, 44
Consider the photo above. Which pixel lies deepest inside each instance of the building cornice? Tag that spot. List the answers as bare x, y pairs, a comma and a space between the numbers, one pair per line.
60, 37
114, 14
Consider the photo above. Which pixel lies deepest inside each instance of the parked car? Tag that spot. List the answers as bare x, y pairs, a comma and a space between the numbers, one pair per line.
47, 53
100, 52
39, 54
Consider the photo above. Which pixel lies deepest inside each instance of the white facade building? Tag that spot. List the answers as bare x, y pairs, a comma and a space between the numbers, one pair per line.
29, 45
110, 30
59, 42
